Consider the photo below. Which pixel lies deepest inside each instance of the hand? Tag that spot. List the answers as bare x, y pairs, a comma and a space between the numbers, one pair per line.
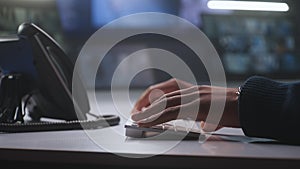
166, 107
156, 91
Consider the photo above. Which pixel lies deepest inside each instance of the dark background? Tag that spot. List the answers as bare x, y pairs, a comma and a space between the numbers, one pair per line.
249, 43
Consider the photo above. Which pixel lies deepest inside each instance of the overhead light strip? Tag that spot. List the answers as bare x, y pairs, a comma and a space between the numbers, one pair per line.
248, 5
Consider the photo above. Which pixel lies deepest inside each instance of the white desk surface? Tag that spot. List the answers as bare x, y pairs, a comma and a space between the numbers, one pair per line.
77, 141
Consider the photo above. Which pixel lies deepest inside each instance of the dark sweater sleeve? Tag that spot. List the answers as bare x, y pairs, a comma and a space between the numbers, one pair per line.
270, 109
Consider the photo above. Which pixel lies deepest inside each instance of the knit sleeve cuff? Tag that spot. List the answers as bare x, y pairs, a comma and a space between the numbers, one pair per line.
260, 103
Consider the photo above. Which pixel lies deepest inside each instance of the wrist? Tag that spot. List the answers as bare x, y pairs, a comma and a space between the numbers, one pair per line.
230, 116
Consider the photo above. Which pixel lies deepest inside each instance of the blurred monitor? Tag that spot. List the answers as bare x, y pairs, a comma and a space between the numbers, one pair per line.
255, 44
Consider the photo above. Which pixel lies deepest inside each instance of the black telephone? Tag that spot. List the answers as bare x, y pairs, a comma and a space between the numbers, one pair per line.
45, 93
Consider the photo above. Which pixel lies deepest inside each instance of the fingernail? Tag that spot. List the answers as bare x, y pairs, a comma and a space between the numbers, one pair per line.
133, 117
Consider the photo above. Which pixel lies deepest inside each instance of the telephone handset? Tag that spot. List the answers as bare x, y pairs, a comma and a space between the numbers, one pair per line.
53, 95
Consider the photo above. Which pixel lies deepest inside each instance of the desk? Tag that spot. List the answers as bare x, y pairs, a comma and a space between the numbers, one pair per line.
75, 148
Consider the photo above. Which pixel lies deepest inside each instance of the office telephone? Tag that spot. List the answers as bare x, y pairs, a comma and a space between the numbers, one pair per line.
45, 90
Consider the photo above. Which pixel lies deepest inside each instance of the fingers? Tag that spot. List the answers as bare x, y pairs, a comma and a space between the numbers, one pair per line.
144, 100
177, 93
185, 111
159, 118
143, 103
158, 90
166, 103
